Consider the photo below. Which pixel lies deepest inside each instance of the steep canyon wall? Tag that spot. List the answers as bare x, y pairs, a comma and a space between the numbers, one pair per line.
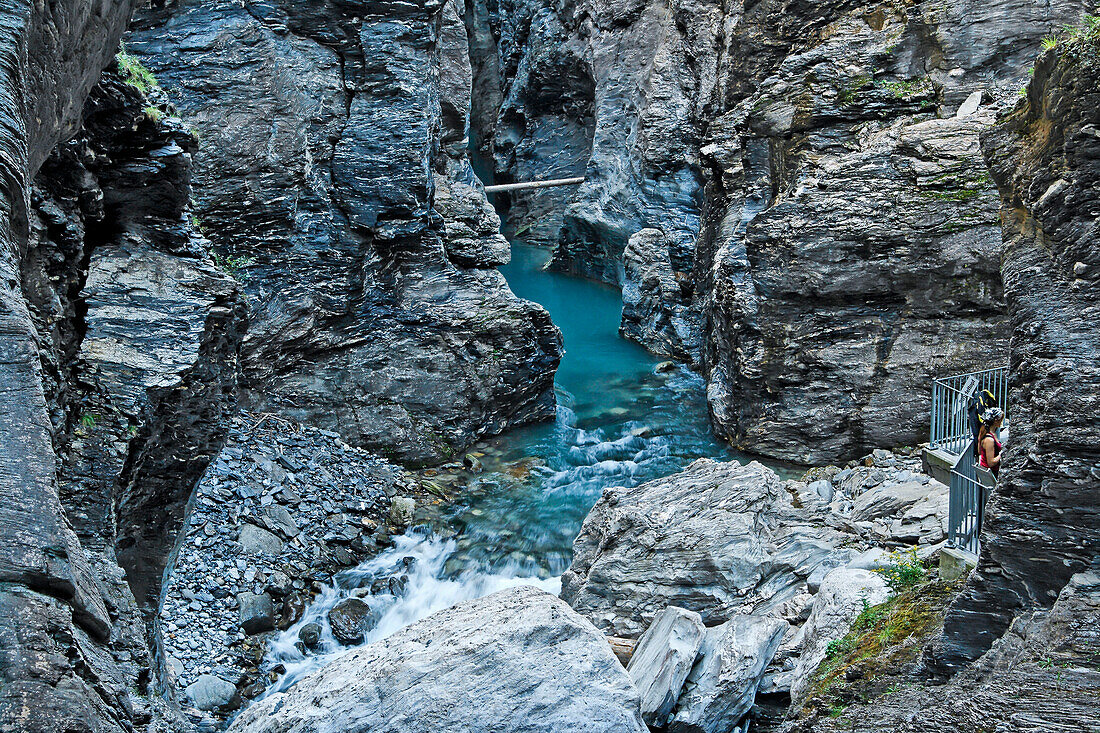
791, 197
119, 345
334, 174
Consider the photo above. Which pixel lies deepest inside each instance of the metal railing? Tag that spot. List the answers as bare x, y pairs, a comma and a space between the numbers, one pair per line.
970, 487
951, 430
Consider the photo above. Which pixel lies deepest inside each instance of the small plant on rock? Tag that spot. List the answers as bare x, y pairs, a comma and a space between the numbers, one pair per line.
839, 648
869, 617
904, 571
233, 266
133, 72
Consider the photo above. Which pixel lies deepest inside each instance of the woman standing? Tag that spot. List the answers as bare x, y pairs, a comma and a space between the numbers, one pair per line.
989, 447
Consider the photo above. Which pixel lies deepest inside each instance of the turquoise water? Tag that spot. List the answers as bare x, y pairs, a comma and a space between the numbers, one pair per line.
596, 357
623, 417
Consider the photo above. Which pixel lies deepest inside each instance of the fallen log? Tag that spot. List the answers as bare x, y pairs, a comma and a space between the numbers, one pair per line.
527, 185
623, 648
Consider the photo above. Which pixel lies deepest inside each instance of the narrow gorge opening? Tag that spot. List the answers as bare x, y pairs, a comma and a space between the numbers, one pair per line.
624, 416
339, 441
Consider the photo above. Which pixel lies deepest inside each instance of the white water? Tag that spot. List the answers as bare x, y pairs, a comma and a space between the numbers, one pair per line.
620, 421
427, 591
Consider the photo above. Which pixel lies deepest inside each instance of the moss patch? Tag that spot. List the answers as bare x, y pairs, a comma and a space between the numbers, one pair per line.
846, 95
883, 641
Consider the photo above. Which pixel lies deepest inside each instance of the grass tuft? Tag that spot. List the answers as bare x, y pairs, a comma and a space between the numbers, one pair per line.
133, 72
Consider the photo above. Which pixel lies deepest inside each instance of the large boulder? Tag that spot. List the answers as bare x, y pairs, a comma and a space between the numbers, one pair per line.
257, 613
517, 660
841, 597
718, 538
662, 660
722, 686
209, 692
887, 500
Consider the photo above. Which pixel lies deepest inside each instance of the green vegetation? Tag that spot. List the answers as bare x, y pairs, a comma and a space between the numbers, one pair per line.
88, 420
1077, 41
229, 264
959, 185
133, 72
904, 571
233, 266
908, 88
156, 114
883, 639
847, 94
1088, 32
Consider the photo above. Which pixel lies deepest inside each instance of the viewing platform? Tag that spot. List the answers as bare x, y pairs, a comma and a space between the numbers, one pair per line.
950, 455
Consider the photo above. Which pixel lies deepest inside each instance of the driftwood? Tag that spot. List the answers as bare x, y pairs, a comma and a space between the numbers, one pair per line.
623, 648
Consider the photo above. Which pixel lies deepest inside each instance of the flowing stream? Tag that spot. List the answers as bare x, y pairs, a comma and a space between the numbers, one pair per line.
623, 417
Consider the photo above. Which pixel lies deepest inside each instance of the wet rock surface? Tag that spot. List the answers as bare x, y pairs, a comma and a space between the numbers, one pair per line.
337, 181
281, 510
517, 660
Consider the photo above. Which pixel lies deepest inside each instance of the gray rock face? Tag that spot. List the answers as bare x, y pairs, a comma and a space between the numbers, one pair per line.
837, 603
337, 179
517, 660
49, 72
657, 308
722, 686
90, 424
1044, 159
718, 538
1037, 676
662, 660
788, 198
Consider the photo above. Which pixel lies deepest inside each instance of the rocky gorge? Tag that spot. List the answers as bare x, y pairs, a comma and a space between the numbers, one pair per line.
303, 430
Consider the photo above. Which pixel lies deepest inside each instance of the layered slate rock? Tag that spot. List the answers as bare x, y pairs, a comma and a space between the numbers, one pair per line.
718, 538
792, 198
722, 686
1043, 521
82, 448
662, 660
334, 175
517, 660
857, 251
